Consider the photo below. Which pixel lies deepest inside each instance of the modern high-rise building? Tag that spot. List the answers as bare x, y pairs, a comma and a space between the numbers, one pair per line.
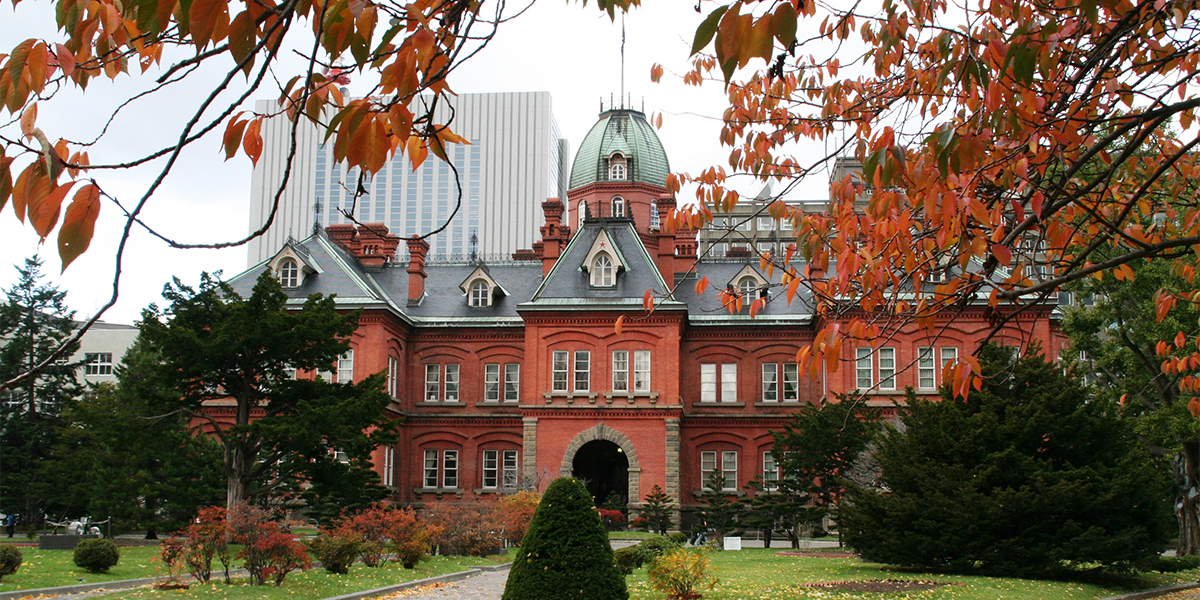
516, 158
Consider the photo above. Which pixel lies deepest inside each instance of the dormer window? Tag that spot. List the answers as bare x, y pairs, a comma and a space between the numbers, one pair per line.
618, 207
618, 168
289, 273
748, 288
481, 293
603, 274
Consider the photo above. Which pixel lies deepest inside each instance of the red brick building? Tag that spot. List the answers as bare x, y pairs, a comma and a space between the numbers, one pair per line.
510, 373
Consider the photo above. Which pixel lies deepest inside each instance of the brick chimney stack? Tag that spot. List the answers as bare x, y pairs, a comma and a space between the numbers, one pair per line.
665, 257
417, 250
371, 243
554, 234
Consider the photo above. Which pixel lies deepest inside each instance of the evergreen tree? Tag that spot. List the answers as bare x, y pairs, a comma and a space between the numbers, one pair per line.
721, 513
216, 345
566, 553
656, 510
117, 458
1026, 478
34, 322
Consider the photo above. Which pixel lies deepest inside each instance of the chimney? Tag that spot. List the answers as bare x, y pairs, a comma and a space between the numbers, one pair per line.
665, 258
554, 234
417, 249
376, 246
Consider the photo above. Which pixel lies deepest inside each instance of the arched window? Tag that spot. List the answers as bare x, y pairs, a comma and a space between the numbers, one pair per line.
602, 271
583, 213
481, 293
617, 171
289, 273
748, 288
618, 207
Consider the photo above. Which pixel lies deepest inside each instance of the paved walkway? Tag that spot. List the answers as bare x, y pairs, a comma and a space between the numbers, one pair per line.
485, 586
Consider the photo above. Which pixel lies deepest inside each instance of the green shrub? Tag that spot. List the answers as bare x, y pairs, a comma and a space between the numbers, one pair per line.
1169, 564
654, 547
96, 555
566, 553
679, 537
10, 559
627, 559
336, 550
682, 572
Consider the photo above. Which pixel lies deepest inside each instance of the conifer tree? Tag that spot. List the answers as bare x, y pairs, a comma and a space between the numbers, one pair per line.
656, 510
566, 553
34, 321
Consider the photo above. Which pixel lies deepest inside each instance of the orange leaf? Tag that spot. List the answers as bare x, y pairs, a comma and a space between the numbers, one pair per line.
1194, 407
233, 135
1002, 254
252, 141
75, 235
757, 307
701, 285
416, 152
66, 60
619, 326
202, 19
648, 300
28, 118
43, 215
1180, 340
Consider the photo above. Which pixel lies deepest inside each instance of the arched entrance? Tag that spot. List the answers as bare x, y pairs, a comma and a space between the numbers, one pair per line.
632, 491
603, 467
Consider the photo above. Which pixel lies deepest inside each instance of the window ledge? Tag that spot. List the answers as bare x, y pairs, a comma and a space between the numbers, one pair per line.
718, 404
570, 396
498, 403
495, 490
426, 403
631, 397
778, 403
702, 493
439, 492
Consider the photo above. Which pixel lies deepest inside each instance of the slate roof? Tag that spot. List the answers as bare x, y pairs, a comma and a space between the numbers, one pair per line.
566, 286
628, 131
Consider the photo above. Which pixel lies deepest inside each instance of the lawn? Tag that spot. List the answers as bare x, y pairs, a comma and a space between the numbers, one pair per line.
53, 568
753, 574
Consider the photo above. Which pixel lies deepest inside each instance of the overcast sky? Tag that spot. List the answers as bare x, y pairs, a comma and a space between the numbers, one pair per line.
569, 50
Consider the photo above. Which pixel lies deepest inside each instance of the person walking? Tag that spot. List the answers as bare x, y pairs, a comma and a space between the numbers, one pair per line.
10, 523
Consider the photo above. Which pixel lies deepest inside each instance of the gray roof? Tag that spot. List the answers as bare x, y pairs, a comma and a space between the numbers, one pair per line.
625, 130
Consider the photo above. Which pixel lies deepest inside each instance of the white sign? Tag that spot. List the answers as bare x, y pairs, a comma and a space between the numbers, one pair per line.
733, 542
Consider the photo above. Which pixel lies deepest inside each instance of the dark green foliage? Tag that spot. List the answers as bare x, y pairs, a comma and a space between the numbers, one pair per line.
721, 512
248, 348
678, 537
336, 551
1027, 478
1169, 564
656, 510
10, 559
655, 546
96, 555
566, 553
627, 559
34, 322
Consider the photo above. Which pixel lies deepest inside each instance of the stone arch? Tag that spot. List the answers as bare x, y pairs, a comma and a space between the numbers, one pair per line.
602, 432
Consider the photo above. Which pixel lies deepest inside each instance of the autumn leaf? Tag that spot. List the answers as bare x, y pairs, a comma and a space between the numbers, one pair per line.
43, 213
78, 225
619, 326
648, 300
701, 285
252, 141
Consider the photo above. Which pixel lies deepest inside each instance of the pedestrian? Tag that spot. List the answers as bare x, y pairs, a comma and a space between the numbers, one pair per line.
10, 523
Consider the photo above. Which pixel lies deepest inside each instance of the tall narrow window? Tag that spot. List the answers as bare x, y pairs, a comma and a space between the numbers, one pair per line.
863, 368
887, 368
748, 288
926, 379
729, 470
450, 469
389, 466
289, 273
618, 207
512, 382
949, 355
345, 367
480, 294
620, 371
431, 468
641, 371
583, 360
491, 468
491, 383
509, 477
451, 383
729, 382
791, 382
770, 473
770, 382
708, 383
708, 464
432, 383
559, 373
393, 376
602, 271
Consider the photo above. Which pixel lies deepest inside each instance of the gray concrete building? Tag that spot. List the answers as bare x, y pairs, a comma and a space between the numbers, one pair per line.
515, 160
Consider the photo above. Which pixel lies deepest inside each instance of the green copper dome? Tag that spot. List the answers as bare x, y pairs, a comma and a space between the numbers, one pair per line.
626, 131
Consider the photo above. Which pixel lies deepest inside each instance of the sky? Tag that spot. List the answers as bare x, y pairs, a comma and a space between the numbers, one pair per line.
569, 50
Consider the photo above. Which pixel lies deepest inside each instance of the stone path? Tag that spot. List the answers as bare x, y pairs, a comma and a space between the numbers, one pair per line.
485, 586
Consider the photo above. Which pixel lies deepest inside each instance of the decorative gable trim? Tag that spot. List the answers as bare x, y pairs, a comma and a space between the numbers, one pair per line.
604, 244
748, 271
304, 261
481, 273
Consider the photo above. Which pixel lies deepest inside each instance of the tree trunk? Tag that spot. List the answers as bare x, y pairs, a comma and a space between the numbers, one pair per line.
1187, 497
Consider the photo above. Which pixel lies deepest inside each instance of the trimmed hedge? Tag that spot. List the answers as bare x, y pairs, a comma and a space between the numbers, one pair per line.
97, 555
10, 559
566, 553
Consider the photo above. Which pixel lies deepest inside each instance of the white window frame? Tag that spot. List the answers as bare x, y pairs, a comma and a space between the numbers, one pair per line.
708, 382
708, 464
864, 368
450, 382
509, 469
345, 367
98, 364
729, 470
603, 271
393, 376
450, 469
770, 382
770, 473
926, 373
618, 207
490, 469
560, 370
949, 355
887, 368
729, 382
620, 370
491, 382
512, 382
617, 171
289, 273
430, 480
433, 382
389, 466
641, 370
766, 224
582, 380
748, 288
791, 382
481, 295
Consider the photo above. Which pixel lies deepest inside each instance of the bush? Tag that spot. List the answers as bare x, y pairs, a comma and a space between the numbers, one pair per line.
516, 511
680, 538
1027, 478
566, 553
466, 529
409, 538
336, 550
612, 519
655, 546
96, 555
682, 572
10, 559
627, 559
1169, 564
656, 510
198, 544
269, 552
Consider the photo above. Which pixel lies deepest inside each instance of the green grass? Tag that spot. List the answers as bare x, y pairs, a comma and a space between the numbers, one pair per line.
755, 574
315, 583
629, 535
53, 568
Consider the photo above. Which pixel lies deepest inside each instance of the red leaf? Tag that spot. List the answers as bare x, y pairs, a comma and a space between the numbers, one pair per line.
1002, 254
648, 300
701, 285
76, 233
619, 326
44, 214
252, 141
233, 136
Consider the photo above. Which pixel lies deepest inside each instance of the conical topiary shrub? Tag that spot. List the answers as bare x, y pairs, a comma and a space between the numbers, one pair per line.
565, 553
